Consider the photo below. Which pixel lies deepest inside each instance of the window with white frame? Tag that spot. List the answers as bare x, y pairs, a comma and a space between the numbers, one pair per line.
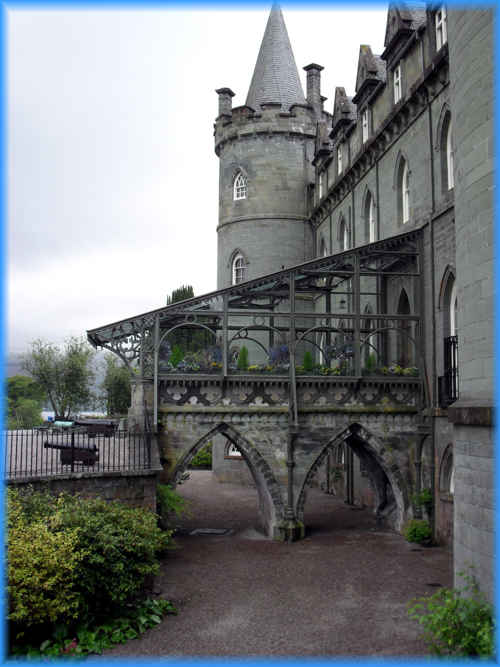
238, 269
239, 187
405, 193
232, 452
343, 235
441, 31
449, 158
370, 218
339, 159
322, 184
364, 126
397, 84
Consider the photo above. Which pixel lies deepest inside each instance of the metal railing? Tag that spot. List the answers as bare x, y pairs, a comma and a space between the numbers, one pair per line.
448, 383
57, 451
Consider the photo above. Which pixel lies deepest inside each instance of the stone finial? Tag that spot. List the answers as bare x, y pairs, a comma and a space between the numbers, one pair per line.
225, 102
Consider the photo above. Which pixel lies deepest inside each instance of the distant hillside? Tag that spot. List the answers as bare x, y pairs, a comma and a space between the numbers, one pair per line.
13, 366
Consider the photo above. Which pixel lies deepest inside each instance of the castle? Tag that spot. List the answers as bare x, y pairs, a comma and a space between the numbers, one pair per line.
382, 212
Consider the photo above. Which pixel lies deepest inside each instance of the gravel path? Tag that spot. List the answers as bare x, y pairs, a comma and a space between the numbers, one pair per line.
342, 591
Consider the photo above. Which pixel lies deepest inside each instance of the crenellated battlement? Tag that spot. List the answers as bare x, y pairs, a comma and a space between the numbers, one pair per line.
244, 122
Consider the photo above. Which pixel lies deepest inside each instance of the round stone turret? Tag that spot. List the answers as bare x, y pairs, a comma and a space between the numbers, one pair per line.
265, 150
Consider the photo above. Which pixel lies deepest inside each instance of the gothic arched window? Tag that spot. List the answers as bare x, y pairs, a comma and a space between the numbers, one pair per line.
238, 269
447, 154
240, 186
344, 237
323, 250
447, 472
403, 191
403, 342
370, 225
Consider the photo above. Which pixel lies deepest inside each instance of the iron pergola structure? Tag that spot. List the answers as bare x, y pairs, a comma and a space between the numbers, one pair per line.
340, 316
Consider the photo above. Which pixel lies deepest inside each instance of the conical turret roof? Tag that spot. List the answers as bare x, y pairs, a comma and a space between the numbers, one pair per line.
275, 77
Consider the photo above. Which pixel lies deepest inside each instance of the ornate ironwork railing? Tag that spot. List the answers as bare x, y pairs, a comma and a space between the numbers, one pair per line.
55, 452
448, 383
333, 317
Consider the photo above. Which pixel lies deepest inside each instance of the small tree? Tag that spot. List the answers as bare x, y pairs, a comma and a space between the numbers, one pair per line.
65, 374
179, 294
308, 362
116, 386
243, 359
25, 398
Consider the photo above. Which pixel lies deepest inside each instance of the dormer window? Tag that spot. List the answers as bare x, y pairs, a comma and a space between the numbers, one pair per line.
441, 31
397, 84
239, 187
364, 126
339, 159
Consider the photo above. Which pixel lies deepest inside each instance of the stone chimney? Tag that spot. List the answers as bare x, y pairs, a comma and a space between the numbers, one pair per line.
314, 97
225, 102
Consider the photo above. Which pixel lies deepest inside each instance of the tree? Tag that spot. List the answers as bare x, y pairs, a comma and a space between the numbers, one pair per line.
65, 374
25, 398
179, 294
116, 386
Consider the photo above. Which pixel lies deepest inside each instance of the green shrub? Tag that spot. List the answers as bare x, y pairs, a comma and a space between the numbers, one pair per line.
371, 363
456, 622
170, 503
120, 546
94, 639
42, 570
177, 356
423, 499
308, 362
203, 458
418, 530
96, 555
243, 359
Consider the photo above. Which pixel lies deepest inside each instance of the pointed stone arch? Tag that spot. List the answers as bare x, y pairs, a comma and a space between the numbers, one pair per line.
394, 504
271, 506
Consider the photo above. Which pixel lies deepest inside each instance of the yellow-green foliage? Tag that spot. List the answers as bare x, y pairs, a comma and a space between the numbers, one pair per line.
42, 567
70, 556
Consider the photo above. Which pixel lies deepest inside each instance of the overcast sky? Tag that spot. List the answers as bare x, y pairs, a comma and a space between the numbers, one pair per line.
112, 176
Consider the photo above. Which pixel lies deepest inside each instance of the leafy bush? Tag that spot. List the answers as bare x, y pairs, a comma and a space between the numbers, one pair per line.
120, 545
456, 622
418, 530
177, 356
71, 556
42, 570
203, 458
308, 362
85, 639
170, 503
371, 363
243, 359
423, 499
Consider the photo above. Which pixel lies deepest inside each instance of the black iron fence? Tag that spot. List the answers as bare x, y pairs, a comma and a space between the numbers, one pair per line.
59, 451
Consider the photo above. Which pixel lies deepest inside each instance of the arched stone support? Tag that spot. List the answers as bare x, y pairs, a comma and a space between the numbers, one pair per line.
385, 441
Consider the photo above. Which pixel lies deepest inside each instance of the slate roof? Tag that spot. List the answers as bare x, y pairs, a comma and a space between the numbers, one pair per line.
410, 16
275, 78
344, 108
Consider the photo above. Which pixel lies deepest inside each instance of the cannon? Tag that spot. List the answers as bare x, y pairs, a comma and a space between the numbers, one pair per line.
69, 454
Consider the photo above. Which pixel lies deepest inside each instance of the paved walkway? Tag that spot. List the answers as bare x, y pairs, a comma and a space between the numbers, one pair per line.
342, 591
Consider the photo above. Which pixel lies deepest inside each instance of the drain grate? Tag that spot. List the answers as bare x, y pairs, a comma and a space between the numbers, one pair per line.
210, 531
